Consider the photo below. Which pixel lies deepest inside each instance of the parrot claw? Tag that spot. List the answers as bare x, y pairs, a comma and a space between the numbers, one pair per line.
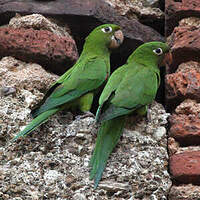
85, 115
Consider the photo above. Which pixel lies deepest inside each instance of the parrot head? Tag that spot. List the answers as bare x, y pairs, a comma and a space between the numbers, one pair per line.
106, 35
150, 53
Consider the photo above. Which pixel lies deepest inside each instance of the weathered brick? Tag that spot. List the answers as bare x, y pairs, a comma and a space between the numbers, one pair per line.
178, 9
182, 85
39, 46
185, 123
184, 167
185, 129
188, 66
184, 192
185, 43
82, 17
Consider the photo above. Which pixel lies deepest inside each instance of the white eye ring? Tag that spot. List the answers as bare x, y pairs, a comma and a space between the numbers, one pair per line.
158, 51
107, 29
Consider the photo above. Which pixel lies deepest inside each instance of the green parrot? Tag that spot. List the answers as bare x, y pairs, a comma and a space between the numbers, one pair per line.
76, 88
129, 89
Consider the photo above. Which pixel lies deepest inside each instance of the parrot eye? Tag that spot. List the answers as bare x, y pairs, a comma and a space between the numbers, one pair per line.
158, 51
107, 29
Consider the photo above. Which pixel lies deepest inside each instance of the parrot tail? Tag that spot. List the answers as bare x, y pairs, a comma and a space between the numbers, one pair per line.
40, 119
108, 136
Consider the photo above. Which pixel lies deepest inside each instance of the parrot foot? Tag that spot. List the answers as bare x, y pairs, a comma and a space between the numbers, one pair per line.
85, 115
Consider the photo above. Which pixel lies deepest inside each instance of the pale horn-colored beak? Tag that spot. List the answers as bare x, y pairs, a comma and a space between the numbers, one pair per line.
116, 39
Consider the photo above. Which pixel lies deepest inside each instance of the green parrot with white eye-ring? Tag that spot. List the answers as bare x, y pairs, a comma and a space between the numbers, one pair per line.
129, 89
76, 88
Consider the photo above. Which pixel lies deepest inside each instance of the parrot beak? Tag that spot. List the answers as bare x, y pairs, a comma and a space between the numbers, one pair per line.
167, 59
116, 39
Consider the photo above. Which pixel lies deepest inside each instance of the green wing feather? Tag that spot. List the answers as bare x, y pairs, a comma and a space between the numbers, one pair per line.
87, 77
127, 97
35, 123
64, 77
110, 89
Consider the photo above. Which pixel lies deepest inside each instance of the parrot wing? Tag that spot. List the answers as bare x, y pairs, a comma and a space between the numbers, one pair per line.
51, 89
137, 88
86, 77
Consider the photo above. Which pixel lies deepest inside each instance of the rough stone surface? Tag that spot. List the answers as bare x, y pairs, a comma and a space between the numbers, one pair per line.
173, 146
188, 66
28, 81
52, 162
184, 192
39, 46
182, 25
177, 9
21, 75
188, 149
184, 41
185, 129
184, 167
38, 22
137, 9
96, 9
182, 85
185, 123
145, 11
82, 17
190, 21
188, 107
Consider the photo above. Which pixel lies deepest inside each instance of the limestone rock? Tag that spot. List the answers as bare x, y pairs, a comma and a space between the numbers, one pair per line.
147, 12
173, 146
190, 21
53, 161
29, 82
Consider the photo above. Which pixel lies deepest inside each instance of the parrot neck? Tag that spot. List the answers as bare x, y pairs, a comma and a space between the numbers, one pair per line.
92, 48
145, 60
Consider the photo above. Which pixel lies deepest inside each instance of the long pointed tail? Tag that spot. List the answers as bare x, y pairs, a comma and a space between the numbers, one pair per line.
40, 119
108, 136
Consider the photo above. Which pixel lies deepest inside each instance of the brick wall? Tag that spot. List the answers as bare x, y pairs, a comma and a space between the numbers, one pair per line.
183, 97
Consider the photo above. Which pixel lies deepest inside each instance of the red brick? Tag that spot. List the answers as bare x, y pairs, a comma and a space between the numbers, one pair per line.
185, 129
83, 16
182, 85
185, 123
39, 46
185, 43
188, 66
185, 167
176, 10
